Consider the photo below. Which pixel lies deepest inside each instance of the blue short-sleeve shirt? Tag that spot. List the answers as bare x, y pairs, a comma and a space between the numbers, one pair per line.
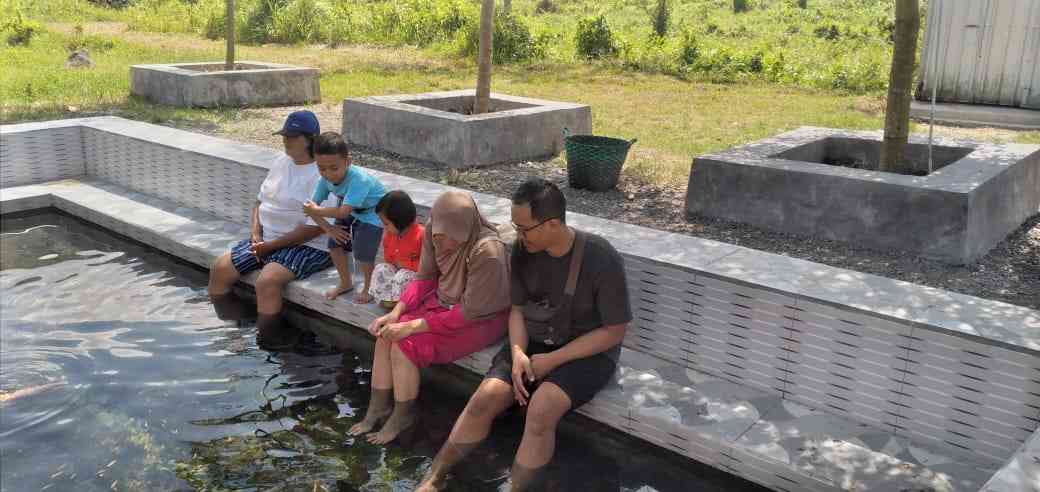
360, 190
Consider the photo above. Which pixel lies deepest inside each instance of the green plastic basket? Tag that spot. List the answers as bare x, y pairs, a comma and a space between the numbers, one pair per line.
594, 163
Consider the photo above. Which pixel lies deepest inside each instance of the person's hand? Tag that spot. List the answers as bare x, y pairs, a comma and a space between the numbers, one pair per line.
377, 325
340, 234
522, 373
541, 364
260, 249
398, 331
310, 208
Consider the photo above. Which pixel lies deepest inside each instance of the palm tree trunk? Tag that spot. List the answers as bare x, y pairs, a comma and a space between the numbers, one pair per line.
487, 27
229, 26
900, 83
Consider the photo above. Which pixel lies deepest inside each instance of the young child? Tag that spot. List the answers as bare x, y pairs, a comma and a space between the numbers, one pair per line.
402, 245
357, 226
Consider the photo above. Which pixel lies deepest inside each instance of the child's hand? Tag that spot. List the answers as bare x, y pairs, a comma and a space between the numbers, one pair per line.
340, 234
310, 208
259, 249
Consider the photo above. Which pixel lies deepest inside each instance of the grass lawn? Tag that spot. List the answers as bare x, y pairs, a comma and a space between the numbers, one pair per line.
673, 119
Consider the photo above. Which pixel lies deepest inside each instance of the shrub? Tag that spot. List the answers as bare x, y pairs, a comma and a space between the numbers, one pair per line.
257, 27
298, 22
22, 30
830, 32
546, 44
92, 42
512, 40
339, 28
214, 27
755, 63
545, 6
594, 38
659, 18
688, 50
115, 4
421, 22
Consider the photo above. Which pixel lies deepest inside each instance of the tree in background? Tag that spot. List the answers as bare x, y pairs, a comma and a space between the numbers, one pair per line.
901, 80
660, 17
487, 28
229, 26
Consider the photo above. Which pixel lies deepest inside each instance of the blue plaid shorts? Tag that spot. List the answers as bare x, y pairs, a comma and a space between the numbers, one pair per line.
302, 260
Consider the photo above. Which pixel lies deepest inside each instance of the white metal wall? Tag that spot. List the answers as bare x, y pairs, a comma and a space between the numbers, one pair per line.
988, 52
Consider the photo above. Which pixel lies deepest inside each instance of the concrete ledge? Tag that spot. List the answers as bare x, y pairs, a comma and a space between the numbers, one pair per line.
976, 115
1022, 472
435, 126
208, 84
955, 214
717, 422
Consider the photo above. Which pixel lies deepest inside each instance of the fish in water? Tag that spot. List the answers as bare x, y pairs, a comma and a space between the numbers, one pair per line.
32, 390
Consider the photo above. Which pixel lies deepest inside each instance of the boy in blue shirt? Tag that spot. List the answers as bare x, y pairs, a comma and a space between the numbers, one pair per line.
357, 226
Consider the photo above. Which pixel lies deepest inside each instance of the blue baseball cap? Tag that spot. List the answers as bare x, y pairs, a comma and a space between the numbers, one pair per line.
300, 123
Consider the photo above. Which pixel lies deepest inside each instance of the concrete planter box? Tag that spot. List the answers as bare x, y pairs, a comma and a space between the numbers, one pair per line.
434, 127
974, 197
209, 85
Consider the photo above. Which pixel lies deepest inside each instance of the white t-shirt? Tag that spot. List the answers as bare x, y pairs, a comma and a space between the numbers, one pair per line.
282, 195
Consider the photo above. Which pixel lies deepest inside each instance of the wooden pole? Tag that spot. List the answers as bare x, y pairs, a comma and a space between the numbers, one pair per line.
900, 84
229, 33
487, 28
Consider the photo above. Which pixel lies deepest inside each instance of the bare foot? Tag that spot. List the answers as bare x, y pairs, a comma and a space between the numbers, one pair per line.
369, 423
362, 298
337, 290
432, 484
399, 421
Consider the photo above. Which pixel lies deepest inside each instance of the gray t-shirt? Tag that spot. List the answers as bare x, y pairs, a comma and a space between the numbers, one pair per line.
600, 297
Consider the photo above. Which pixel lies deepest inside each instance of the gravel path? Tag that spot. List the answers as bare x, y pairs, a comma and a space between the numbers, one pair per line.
1009, 273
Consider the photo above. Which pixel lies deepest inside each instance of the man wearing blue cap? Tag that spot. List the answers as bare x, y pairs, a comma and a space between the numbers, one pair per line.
284, 244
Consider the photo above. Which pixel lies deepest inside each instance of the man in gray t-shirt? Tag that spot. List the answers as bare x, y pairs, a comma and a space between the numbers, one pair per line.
561, 350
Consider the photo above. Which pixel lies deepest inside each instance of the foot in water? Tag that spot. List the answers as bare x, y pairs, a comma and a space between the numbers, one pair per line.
338, 290
362, 298
380, 405
400, 420
368, 424
432, 484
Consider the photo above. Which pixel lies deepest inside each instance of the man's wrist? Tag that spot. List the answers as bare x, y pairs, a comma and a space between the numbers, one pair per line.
555, 358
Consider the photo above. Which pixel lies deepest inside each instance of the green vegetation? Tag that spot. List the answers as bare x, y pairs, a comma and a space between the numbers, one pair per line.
839, 44
674, 117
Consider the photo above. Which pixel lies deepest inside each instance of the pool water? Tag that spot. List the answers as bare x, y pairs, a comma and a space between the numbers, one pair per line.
116, 375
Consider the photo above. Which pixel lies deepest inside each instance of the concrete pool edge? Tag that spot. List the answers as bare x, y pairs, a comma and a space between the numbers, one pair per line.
154, 226
456, 380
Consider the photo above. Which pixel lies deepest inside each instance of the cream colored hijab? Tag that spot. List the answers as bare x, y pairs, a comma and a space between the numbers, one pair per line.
476, 274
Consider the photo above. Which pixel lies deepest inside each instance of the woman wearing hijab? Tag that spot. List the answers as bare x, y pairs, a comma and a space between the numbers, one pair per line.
457, 305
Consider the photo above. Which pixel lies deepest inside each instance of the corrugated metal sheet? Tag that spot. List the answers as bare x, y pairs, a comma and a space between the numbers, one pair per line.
988, 52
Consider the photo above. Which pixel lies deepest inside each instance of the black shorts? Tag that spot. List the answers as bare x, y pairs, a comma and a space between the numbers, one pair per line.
365, 239
581, 379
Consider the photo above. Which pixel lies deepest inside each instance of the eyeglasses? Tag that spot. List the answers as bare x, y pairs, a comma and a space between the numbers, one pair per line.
524, 230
